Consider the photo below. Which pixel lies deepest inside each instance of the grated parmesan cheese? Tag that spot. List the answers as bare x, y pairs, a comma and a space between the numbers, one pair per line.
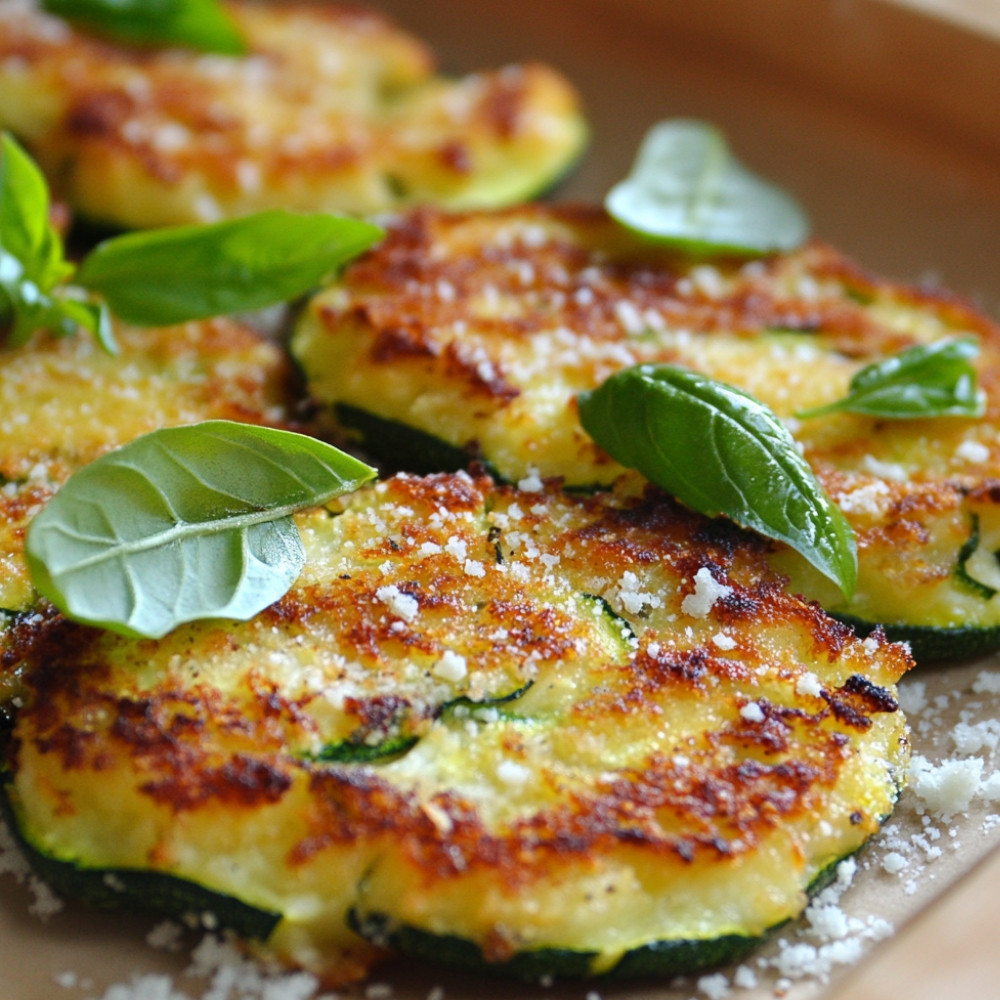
451, 667
707, 590
400, 604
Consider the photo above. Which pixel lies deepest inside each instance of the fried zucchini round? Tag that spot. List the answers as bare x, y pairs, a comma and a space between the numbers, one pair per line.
549, 733
476, 331
333, 108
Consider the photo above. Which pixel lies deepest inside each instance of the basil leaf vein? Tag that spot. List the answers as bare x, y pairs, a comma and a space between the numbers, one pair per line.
182, 524
720, 452
204, 25
686, 189
182, 273
928, 380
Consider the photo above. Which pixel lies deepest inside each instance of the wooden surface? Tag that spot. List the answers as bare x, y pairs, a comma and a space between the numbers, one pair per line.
950, 950
947, 953
977, 15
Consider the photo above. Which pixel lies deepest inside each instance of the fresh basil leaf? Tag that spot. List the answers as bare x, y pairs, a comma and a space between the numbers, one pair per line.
25, 230
32, 264
720, 451
687, 190
198, 24
184, 523
172, 275
929, 380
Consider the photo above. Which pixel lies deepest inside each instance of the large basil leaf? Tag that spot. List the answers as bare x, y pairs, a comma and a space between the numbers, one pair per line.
929, 380
197, 24
720, 451
687, 190
172, 275
184, 523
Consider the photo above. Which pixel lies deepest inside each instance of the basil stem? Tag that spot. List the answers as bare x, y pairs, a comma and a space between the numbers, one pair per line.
720, 451
687, 190
184, 523
929, 380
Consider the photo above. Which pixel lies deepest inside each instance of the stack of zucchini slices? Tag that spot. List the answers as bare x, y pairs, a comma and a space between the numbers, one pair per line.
529, 713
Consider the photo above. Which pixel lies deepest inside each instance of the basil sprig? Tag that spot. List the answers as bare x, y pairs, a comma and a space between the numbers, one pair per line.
687, 190
159, 277
33, 268
166, 276
929, 380
184, 523
198, 24
720, 451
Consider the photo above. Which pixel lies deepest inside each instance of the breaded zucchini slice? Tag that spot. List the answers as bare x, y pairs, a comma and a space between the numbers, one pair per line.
334, 108
553, 734
65, 401
476, 331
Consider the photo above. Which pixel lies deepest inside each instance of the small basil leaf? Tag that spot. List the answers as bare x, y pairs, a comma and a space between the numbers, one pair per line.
29, 308
24, 204
183, 273
929, 380
33, 269
720, 451
687, 190
197, 24
184, 523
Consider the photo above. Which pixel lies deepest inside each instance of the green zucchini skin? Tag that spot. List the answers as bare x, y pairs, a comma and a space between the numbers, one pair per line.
656, 959
933, 643
662, 959
399, 447
460, 953
137, 889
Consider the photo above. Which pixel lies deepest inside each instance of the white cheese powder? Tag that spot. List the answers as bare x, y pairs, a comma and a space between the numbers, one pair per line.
707, 590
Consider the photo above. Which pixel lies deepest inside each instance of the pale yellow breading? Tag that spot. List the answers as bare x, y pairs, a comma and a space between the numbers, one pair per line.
335, 109
479, 329
517, 719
